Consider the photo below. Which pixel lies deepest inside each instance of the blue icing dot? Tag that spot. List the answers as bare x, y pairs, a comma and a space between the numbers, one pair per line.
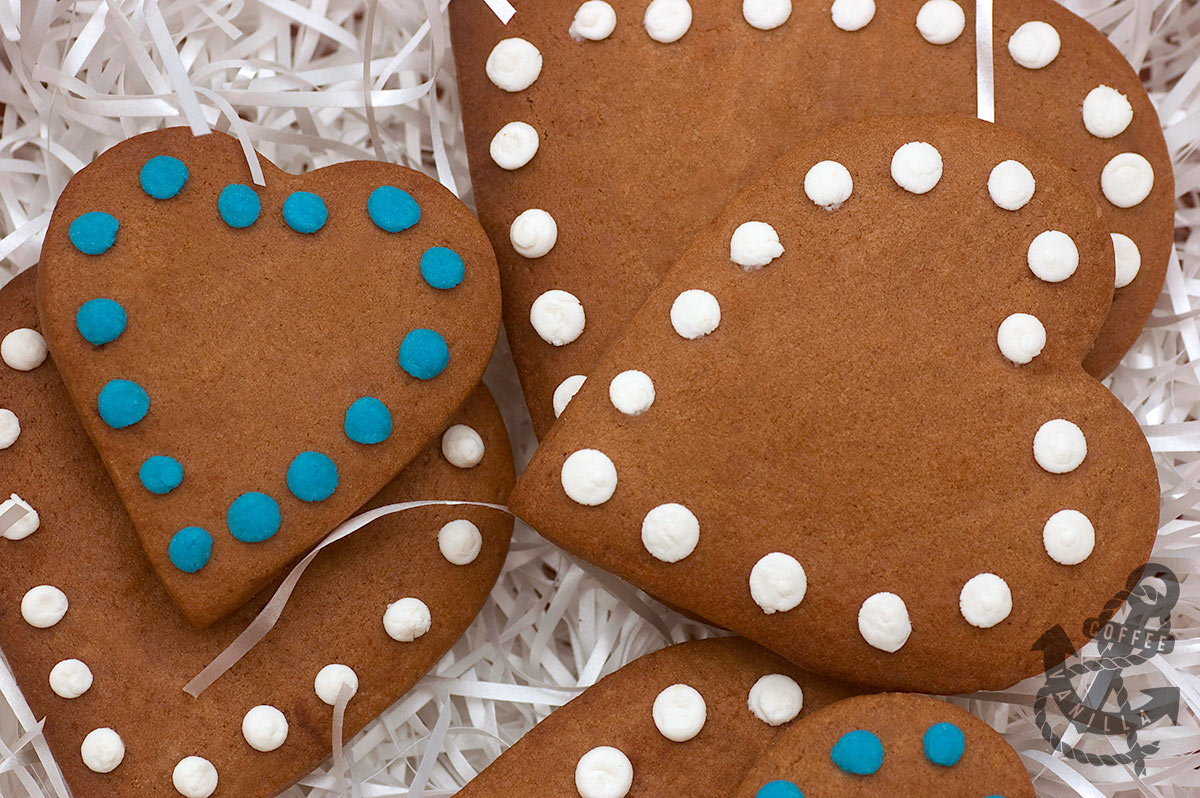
442, 268
859, 752
424, 354
190, 549
368, 420
944, 744
253, 517
304, 212
161, 474
163, 176
779, 789
239, 205
312, 477
94, 233
123, 403
100, 321
393, 210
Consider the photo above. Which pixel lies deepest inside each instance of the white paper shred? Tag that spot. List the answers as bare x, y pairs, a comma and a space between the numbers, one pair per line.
313, 82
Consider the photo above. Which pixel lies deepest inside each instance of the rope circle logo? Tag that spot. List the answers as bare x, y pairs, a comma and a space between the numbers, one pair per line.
1106, 707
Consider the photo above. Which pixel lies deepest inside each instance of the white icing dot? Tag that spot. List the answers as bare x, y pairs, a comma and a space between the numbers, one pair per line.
265, 728
1011, 185
679, 713
941, 21
462, 446
1059, 446
670, 532
1128, 259
1069, 537
917, 167
407, 619
631, 392
194, 777
514, 145
566, 391
776, 699
1034, 45
754, 245
667, 20
1106, 112
1021, 338
24, 526
828, 184
594, 21
329, 682
43, 606
695, 313
985, 600
766, 14
1127, 179
70, 678
777, 582
533, 233
603, 772
852, 15
23, 349
102, 750
558, 317
1052, 256
10, 428
589, 477
883, 622
514, 64
460, 542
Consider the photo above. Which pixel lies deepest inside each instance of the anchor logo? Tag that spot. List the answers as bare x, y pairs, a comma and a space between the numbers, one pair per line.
1149, 595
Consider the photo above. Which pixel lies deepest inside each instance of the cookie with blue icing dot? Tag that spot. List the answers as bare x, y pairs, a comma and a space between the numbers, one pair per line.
851, 422
261, 335
100, 650
887, 745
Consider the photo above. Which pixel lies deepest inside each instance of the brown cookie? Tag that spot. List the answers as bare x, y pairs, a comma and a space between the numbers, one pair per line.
886, 745
139, 652
295, 344
640, 143
689, 719
862, 437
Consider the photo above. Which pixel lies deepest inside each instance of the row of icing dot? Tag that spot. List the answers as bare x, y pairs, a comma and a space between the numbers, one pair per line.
778, 582
312, 476
264, 727
680, 713
860, 753
515, 64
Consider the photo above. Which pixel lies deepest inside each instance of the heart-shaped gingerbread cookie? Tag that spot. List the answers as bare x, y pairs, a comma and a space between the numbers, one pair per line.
689, 719
255, 362
101, 653
604, 136
851, 423
887, 745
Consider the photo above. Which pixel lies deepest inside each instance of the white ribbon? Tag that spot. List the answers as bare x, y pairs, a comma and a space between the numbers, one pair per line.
502, 9
266, 619
16, 700
985, 73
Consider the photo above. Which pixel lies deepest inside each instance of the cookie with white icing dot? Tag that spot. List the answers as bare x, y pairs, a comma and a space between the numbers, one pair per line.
82, 621
886, 371
644, 135
890, 744
226, 498
706, 709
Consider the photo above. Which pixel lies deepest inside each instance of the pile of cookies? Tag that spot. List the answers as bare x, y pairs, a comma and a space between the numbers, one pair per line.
808, 302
